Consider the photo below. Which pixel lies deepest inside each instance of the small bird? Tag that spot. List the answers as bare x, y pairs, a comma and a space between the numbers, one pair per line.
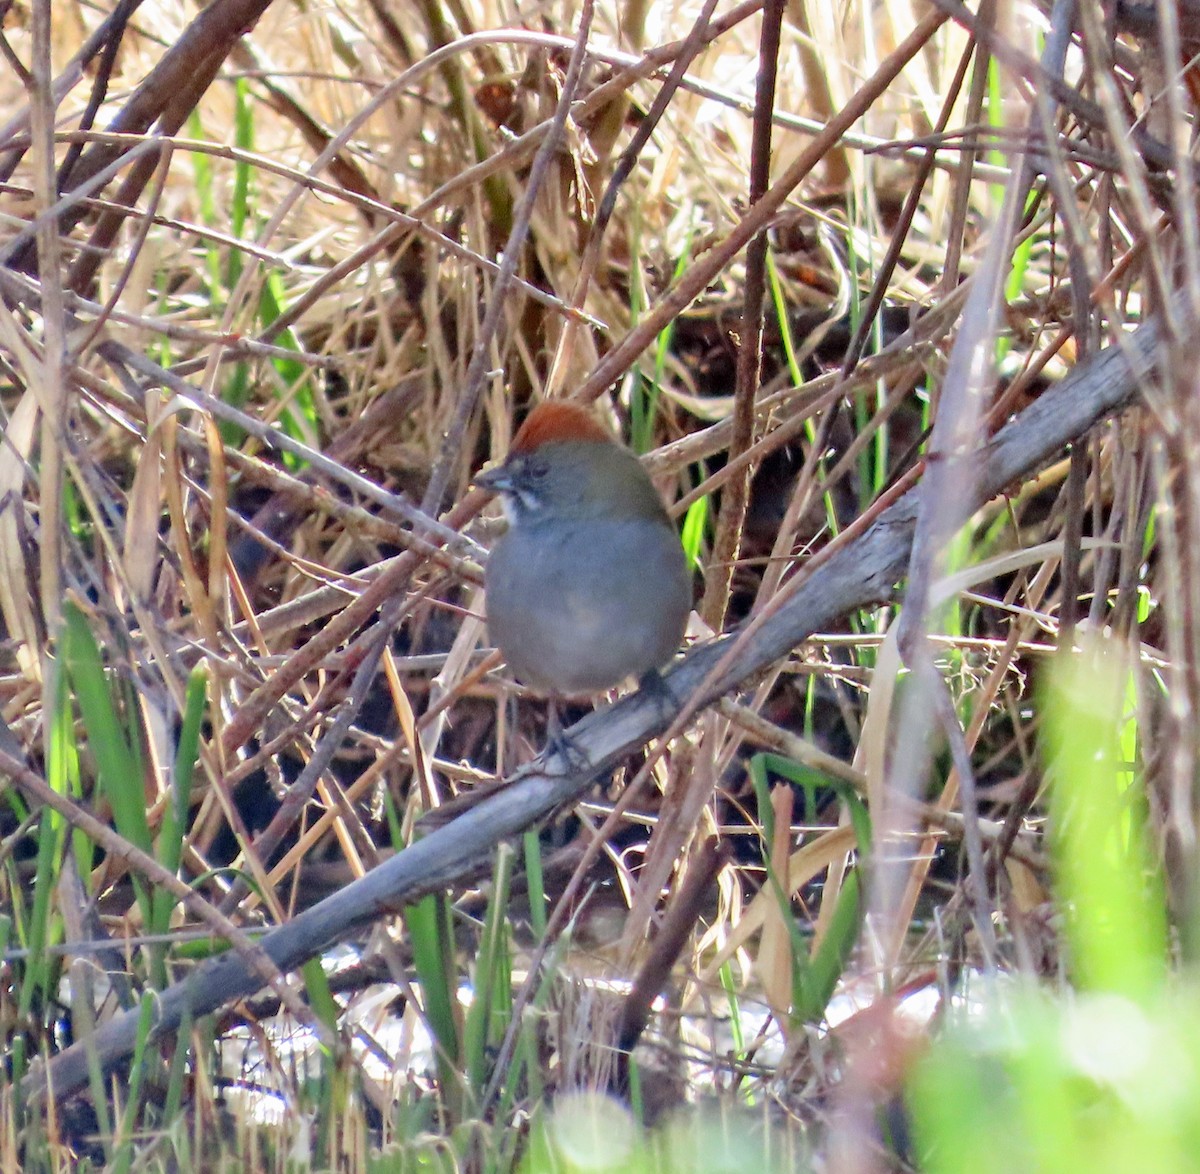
589, 585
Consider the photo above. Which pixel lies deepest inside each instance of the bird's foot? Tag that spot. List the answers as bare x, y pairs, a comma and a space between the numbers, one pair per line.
559, 743
656, 688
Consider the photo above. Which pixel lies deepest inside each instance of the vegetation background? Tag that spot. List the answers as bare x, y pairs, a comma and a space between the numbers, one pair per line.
898, 300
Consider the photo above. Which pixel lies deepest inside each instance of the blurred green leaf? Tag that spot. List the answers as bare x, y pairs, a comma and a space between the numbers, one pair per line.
1111, 888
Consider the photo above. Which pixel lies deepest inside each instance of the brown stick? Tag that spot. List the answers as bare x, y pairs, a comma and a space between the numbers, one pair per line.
728, 538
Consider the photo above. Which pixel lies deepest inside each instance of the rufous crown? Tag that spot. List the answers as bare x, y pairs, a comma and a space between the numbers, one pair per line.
557, 420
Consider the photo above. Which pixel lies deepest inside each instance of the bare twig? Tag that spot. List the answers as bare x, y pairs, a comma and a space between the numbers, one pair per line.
468, 396
728, 537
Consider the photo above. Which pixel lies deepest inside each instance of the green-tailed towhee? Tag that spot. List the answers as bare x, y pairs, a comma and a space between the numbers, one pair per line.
589, 585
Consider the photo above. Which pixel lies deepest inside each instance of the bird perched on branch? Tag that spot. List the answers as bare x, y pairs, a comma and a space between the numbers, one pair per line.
589, 585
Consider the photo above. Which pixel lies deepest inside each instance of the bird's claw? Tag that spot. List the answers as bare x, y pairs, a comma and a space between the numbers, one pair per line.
657, 689
560, 744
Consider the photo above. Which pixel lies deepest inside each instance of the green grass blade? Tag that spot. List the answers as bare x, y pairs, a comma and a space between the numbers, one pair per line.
119, 762
431, 937
123, 1158
815, 973
320, 997
175, 817
491, 1006
532, 845
695, 523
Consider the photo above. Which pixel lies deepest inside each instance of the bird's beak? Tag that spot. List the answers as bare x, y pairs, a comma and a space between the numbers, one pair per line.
494, 480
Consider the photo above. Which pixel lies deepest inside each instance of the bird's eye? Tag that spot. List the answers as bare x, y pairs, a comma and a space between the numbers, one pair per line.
537, 469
